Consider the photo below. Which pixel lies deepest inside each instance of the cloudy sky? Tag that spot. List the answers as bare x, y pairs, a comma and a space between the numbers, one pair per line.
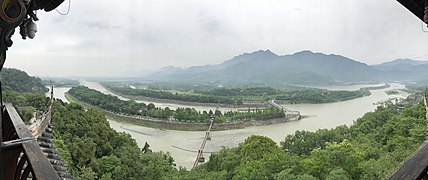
129, 36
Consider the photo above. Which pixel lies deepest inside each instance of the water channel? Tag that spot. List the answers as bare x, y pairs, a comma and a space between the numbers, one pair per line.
183, 145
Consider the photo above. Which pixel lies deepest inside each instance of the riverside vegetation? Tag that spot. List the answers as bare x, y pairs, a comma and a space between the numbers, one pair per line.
114, 104
237, 96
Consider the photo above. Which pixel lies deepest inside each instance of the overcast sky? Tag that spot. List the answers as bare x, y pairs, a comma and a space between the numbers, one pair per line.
114, 37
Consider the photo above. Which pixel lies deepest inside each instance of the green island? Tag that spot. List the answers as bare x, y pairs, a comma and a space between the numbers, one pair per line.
131, 108
236, 96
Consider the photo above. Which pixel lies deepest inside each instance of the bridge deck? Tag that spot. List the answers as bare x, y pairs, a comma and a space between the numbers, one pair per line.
204, 142
286, 111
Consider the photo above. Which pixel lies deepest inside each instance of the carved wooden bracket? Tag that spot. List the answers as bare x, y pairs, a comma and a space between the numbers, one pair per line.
14, 13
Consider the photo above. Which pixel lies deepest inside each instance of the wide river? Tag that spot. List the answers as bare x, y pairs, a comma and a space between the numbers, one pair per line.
183, 145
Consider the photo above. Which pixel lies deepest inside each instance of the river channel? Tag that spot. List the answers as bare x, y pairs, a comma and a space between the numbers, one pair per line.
183, 145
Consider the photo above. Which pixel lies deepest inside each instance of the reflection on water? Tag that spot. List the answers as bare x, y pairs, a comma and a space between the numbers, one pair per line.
183, 144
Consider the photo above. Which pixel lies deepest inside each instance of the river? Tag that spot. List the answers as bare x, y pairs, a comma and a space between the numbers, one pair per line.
183, 144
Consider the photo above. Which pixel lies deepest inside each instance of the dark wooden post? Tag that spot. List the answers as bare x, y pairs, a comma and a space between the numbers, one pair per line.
1, 132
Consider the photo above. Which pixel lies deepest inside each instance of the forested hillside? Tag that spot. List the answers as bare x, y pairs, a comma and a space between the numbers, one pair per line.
93, 150
20, 81
25, 92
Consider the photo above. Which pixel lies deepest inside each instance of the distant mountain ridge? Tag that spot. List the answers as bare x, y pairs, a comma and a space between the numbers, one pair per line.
302, 68
405, 61
404, 70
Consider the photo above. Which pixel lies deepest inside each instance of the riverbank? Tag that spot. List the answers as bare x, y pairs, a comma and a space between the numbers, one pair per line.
184, 126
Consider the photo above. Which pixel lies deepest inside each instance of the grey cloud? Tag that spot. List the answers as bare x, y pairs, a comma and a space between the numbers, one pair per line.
208, 23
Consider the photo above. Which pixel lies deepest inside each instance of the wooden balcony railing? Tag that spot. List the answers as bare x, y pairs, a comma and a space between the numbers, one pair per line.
20, 155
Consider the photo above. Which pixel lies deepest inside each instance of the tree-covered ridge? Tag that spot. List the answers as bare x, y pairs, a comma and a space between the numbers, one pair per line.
20, 81
26, 103
114, 104
93, 150
25, 92
372, 148
239, 95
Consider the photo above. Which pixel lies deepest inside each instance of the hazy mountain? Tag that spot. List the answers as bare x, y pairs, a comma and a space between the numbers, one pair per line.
400, 62
261, 66
404, 70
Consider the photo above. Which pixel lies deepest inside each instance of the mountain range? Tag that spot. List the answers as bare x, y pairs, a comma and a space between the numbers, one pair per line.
302, 68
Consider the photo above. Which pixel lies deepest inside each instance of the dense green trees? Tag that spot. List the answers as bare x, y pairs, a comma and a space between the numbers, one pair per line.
26, 93
238, 95
96, 151
20, 81
320, 96
107, 102
175, 96
114, 104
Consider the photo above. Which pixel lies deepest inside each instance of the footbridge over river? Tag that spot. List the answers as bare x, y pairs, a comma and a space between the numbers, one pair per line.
287, 112
289, 115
